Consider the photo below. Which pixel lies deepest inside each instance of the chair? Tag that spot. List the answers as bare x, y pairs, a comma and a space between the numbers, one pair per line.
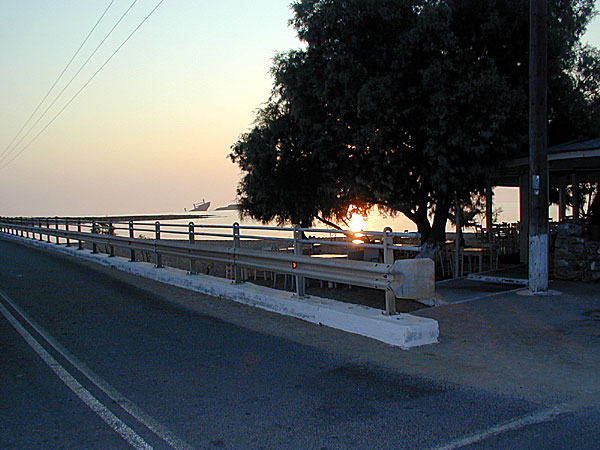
447, 261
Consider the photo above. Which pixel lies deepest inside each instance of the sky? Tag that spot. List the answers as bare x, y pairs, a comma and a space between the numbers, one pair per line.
152, 131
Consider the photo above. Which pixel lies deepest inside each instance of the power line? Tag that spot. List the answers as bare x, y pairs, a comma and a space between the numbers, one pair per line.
83, 87
5, 156
57, 80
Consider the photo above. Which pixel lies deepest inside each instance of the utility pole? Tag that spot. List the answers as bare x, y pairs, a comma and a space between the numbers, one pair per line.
538, 159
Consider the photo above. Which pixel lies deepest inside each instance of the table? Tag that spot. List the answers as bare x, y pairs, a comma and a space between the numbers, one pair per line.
474, 252
329, 256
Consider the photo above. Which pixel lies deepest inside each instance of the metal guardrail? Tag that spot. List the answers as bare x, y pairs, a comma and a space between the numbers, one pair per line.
407, 278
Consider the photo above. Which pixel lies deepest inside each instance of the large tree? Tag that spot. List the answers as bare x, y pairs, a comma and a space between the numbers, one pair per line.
406, 104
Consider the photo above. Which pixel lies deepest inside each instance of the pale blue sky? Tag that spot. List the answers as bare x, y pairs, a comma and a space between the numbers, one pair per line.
152, 130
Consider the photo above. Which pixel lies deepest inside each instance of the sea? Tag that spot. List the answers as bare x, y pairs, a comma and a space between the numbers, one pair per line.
506, 207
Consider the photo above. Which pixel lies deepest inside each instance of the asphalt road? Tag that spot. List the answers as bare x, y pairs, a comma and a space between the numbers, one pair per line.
94, 359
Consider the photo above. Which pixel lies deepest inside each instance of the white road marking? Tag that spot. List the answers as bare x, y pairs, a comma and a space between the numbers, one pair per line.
92, 402
126, 404
493, 294
522, 422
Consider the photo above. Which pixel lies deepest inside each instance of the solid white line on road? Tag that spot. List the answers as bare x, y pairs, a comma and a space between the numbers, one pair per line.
493, 294
521, 422
92, 402
126, 404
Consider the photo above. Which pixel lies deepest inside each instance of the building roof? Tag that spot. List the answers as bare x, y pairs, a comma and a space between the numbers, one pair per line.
575, 146
576, 157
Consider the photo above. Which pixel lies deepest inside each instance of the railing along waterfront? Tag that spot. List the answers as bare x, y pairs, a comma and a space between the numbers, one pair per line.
367, 259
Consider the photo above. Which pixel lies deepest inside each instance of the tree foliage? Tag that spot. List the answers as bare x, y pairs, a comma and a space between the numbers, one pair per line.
407, 104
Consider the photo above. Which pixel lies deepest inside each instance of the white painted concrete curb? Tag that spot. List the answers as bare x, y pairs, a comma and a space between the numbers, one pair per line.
402, 330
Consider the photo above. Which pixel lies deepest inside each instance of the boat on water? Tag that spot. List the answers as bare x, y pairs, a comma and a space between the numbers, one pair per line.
202, 206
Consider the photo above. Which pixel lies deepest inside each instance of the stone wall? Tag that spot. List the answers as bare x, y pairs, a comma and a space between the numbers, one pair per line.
576, 257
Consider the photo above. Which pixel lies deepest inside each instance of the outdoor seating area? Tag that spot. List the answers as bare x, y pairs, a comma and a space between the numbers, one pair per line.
480, 251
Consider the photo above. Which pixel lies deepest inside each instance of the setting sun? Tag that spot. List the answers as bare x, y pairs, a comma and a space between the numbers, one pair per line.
357, 222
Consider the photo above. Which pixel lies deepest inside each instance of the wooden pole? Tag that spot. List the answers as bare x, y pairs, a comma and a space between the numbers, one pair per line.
489, 219
562, 204
575, 190
457, 258
538, 159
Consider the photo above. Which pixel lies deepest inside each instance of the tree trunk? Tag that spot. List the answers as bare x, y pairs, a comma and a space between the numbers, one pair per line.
419, 218
423, 227
436, 238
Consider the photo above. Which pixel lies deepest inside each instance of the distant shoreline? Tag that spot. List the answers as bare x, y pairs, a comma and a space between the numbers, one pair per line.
230, 207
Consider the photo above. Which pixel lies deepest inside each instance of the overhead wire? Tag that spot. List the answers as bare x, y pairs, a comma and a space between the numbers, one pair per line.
57, 80
16, 155
6, 156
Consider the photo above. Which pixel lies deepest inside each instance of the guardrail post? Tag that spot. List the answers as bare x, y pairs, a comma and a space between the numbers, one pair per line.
79, 243
48, 227
67, 230
40, 227
192, 238
94, 231
237, 270
56, 227
388, 258
158, 257
111, 248
298, 251
131, 236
